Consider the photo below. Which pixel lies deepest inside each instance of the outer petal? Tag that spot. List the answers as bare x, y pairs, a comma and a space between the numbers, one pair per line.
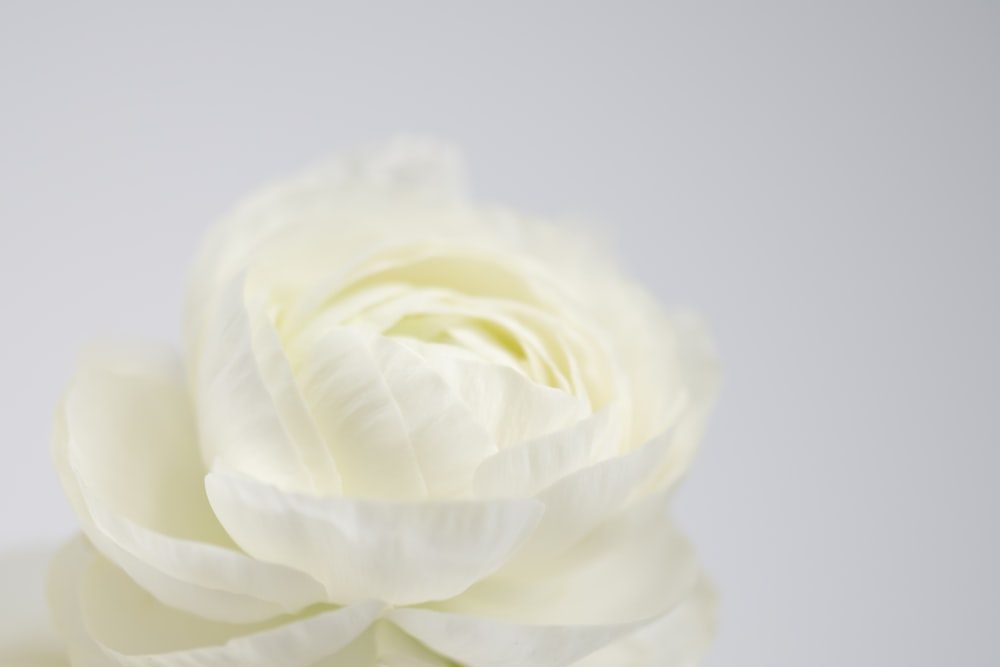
580, 502
385, 645
68, 567
479, 642
528, 468
698, 369
126, 453
26, 635
251, 416
425, 265
115, 622
398, 552
634, 568
679, 639
632, 572
408, 167
663, 357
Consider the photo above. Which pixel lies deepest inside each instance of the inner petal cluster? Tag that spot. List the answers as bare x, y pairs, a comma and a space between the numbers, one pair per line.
419, 364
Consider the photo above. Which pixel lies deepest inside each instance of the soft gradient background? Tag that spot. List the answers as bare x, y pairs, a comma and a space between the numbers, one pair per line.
822, 183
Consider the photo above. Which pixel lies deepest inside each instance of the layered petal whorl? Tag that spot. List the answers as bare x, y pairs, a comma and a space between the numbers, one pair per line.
405, 431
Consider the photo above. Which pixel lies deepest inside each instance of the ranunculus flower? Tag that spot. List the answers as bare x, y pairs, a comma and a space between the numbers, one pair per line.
405, 432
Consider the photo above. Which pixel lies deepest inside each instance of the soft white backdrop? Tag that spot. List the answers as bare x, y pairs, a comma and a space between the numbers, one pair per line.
822, 183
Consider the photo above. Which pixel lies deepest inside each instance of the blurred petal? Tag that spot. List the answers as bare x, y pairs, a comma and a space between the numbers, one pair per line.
27, 638
68, 567
126, 452
679, 639
395, 648
409, 167
118, 623
433, 265
697, 367
385, 645
480, 642
662, 357
398, 552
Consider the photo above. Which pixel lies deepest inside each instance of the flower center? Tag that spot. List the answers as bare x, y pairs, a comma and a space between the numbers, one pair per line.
469, 302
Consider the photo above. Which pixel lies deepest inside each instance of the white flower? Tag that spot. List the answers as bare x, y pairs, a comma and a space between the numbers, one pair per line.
406, 432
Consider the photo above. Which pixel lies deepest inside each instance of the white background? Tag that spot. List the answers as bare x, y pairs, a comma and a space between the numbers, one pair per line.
823, 184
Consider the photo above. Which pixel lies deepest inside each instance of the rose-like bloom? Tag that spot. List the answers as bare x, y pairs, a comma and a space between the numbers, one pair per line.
406, 432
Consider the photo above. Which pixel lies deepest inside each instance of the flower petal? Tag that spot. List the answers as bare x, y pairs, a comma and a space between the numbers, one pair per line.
239, 420
697, 368
636, 567
26, 635
508, 404
289, 404
403, 553
679, 639
480, 642
126, 452
633, 572
578, 503
68, 567
528, 468
396, 429
119, 621
408, 167
385, 645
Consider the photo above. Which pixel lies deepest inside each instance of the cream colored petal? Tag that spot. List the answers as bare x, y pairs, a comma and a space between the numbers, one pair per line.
397, 649
546, 362
425, 262
126, 452
509, 405
577, 504
445, 264
575, 348
698, 369
126, 428
385, 645
289, 403
408, 168
678, 635
663, 356
403, 553
112, 617
679, 639
69, 565
526, 469
357, 413
27, 638
517, 329
480, 642
214, 582
634, 568
669, 363
241, 424
396, 429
